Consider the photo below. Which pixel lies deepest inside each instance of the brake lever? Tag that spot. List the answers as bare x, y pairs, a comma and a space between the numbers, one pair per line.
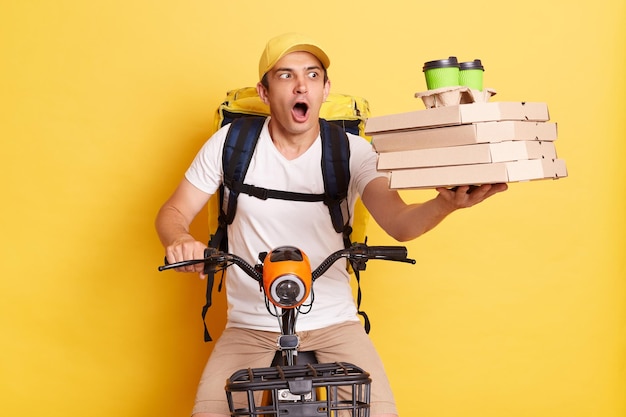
179, 264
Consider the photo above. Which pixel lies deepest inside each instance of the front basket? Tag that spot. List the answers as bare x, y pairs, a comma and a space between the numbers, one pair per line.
314, 390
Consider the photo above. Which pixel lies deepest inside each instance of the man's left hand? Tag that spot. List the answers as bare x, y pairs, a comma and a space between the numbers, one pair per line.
467, 196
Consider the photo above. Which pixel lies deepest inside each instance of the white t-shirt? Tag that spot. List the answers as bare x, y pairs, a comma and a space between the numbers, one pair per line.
261, 225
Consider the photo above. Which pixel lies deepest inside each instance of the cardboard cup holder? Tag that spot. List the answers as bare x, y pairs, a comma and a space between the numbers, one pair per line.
453, 96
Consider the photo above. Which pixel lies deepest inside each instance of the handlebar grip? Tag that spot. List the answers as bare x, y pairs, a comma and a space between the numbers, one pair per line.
396, 253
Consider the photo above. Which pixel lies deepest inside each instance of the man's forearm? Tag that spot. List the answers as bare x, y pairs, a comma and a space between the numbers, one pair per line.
171, 226
417, 219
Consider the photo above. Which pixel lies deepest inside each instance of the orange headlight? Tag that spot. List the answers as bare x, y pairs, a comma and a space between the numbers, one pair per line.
287, 277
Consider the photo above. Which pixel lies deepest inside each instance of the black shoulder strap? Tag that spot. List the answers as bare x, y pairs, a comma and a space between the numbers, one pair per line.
239, 145
336, 173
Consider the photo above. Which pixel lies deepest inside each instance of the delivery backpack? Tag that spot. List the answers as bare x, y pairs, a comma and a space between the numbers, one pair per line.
246, 114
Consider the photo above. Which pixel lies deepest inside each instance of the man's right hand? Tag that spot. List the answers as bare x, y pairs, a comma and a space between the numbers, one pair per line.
184, 249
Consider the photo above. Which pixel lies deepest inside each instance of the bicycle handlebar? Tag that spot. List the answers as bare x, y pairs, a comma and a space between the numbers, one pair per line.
358, 254
215, 259
390, 253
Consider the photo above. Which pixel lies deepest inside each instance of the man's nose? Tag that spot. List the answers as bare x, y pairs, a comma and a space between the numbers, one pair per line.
301, 86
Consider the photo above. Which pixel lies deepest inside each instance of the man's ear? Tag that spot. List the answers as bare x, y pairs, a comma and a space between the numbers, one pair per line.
326, 89
262, 92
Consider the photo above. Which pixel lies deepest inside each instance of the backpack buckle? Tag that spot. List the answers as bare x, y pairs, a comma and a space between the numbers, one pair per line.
258, 192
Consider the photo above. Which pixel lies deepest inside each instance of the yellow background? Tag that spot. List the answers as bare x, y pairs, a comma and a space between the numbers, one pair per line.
515, 307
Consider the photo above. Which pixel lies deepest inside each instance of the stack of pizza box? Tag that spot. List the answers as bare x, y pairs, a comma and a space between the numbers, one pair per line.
467, 144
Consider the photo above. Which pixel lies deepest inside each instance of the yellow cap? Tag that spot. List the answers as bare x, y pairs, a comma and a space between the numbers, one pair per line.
281, 45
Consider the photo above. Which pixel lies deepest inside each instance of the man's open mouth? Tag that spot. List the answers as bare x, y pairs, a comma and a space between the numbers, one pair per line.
300, 110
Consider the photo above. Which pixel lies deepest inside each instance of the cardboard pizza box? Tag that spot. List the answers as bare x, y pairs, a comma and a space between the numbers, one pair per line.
481, 153
483, 132
457, 115
500, 172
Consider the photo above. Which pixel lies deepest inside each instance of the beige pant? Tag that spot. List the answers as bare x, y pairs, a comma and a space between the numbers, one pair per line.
243, 348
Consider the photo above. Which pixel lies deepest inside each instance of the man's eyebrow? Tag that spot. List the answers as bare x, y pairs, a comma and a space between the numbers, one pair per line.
289, 69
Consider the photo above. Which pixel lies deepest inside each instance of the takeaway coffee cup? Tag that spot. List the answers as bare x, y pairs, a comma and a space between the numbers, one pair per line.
471, 74
441, 73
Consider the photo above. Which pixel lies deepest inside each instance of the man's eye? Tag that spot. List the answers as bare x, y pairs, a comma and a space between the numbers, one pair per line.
313, 74
284, 75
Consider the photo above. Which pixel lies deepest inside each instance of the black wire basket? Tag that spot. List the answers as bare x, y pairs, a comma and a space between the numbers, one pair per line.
314, 390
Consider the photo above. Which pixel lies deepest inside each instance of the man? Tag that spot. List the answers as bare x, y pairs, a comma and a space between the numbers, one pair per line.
294, 84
